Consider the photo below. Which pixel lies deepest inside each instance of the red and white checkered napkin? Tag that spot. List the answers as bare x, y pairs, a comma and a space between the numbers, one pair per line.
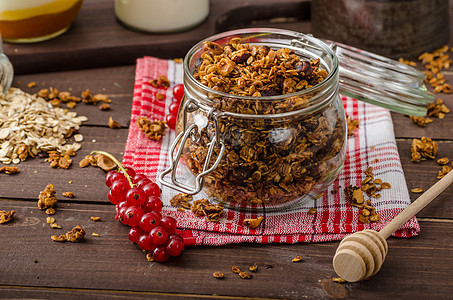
373, 144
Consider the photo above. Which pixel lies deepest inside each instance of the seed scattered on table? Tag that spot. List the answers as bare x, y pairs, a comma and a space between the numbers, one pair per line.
218, 275
95, 218
95, 234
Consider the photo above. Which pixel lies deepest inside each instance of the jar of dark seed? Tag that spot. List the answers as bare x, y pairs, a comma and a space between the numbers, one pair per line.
261, 123
393, 28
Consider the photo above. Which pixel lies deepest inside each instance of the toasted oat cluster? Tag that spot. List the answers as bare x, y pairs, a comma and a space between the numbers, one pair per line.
76, 235
153, 129
423, 148
352, 125
99, 160
271, 161
6, 216
204, 208
47, 199
10, 170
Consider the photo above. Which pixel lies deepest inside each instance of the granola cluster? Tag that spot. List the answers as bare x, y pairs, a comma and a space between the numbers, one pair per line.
76, 235
6, 216
47, 199
153, 129
266, 161
56, 97
201, 208
99, 160
423, 148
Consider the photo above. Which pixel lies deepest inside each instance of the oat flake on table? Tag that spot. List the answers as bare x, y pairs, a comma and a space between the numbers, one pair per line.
29, 120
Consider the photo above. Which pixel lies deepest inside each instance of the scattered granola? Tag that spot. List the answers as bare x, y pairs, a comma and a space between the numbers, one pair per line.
47, 198
263, 162
235, 269
55, 226
421, 121
149, 257
31, 84
60, 160
218, 275
181, 200
437, 109
312, 211
245, 275
95, 234
68, 194
50, 211
9, 170
77, 234
99, 160
297, 259
160, 96
253, 223
87, 98
444, 171
96, 218
104, 106
154, 130
355, 195
29, 126
338, 280
423, 148
211, 211
352, 125
443, 161
6, 216
253, 268
50, 220
417, 190
113, 124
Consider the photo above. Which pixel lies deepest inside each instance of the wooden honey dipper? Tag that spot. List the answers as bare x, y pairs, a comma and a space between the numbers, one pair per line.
361, 254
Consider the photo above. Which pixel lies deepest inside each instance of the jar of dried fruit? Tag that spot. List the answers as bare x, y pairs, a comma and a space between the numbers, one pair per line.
262, 122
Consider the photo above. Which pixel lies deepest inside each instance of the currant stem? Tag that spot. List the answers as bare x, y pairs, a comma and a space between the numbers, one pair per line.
120, 165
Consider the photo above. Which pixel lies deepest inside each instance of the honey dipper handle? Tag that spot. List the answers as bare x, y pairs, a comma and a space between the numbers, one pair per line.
417, 205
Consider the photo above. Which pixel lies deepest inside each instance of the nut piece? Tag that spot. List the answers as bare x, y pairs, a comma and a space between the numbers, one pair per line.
352, 125
95, 218
6, 216
235, 269
443, 161
245, 275
312, 211
149, 257
423, 149
253, 268
9, 170
338, 280
253, 223
211, 211
218, 275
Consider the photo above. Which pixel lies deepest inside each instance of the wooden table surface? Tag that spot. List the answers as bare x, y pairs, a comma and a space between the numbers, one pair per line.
98, 53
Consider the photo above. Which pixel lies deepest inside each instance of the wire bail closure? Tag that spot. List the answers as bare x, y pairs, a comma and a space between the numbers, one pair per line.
191, 132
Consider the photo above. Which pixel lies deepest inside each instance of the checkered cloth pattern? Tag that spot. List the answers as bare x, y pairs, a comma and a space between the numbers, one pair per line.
373, 144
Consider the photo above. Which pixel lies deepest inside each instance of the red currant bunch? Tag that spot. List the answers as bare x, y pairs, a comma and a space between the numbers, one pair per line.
138, 205
178, 94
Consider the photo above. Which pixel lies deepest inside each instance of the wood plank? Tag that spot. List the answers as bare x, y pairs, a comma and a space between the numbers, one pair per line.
110, 262
96, 39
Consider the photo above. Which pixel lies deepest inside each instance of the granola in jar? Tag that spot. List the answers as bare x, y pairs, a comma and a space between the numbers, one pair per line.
274, 111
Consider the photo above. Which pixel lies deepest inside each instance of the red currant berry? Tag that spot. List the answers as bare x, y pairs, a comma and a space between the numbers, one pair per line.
138, 177
173, 108
142, 182
152, 189
122, 214
171, 120
160, 254
149, 221
145, 243
136, 196
108, 177
152, 204
169, 223
133, 215
159, 235
119, 189
112, 198
178, 92
134, 234
174, 235
130, 172
174, 247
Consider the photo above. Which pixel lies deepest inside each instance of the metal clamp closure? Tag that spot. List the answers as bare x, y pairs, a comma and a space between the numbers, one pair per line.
181, 139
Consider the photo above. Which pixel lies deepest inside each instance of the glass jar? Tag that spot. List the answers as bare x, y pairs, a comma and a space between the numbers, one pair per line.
249, 150
273, 151
160, 16
28, 21
394, 28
